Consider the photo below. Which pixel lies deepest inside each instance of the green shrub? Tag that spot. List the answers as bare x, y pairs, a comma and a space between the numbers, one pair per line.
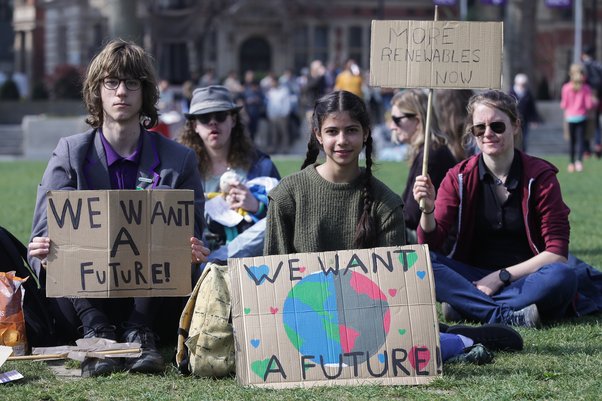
66, 82
9, 90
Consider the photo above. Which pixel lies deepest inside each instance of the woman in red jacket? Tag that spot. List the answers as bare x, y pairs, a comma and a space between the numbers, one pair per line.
508, 263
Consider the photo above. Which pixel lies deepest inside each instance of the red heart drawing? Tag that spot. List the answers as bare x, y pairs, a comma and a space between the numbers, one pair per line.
302, 269
273, 310
421, 355
392, 292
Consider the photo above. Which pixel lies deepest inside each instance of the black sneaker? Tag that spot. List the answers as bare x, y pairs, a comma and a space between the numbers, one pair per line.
496, 337
477, 354
92, 367
449, 313
151, 360
526, 317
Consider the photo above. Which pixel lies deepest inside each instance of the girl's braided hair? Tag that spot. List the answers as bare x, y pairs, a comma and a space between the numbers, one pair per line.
343, 101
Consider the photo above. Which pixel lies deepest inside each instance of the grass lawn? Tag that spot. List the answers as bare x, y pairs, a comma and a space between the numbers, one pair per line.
561, 362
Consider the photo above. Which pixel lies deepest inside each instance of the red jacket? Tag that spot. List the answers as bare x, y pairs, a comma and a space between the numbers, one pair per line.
544, 212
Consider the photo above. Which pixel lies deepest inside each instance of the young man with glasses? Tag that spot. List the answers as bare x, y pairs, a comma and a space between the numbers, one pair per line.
509, 261
118, 152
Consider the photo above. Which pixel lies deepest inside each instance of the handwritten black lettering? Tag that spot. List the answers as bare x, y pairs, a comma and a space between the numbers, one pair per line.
92, 213
83, 272
327, 269
278, 369
388, 264
139, 275
175, 216
75, 216
113, 266
418, 351
393, 34
188, 208
292, 268
418, 36
259, 280
132, 213
354, 363
159, 270
337, 373
385, 367
404, 258
306, 365
158, 211
398, 356
355, 261
123, 232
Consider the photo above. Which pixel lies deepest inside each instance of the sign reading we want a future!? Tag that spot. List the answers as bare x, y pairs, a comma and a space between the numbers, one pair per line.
363, 316
119, 243
436, 54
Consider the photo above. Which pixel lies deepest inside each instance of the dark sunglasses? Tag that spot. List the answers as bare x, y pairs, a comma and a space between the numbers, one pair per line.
498, 127
219, 116
397, 119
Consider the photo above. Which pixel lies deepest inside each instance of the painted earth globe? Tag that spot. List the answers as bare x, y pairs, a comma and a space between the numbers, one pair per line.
326, 316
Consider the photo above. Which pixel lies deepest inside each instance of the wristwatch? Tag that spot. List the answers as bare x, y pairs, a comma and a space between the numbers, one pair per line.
505, 276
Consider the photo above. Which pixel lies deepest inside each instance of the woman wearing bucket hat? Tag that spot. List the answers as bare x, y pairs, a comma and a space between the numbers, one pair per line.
214, 130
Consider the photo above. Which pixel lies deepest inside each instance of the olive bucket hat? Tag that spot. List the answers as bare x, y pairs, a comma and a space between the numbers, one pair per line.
211, 99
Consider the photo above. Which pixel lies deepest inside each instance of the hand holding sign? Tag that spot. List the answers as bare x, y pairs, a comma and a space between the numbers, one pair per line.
39, 247
199, 251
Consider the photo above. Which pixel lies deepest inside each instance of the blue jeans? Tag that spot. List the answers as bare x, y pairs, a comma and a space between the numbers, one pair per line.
451, 345
552, 288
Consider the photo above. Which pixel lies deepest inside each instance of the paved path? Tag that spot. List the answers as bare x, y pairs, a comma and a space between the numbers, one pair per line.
544, 139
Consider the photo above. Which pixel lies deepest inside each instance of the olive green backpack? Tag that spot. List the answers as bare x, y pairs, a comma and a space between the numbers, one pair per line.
205, 340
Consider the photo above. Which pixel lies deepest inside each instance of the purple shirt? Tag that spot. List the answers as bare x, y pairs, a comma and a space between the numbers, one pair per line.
123, 171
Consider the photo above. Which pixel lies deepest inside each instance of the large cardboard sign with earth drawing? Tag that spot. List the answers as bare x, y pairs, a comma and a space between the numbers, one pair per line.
119, 243
436, 54
334, 318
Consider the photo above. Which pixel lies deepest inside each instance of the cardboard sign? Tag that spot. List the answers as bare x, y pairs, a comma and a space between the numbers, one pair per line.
112, 244
334, 318
436, 54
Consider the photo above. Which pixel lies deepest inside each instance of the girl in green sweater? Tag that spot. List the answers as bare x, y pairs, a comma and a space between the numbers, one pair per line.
335, 205
338, 205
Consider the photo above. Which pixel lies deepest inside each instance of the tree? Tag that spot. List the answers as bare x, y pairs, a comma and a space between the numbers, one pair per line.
9, 90
519, 39
196, 18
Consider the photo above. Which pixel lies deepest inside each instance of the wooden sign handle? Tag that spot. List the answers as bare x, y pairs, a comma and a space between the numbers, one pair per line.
427, 131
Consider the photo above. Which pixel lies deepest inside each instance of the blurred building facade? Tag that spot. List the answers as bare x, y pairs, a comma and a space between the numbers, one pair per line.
187, 37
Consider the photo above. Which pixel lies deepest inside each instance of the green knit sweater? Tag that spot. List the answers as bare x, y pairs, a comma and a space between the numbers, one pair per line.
307, 213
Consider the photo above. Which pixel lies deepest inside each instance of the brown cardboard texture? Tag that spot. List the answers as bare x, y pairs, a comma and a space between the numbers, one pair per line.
436, 54
336, 318
119, 243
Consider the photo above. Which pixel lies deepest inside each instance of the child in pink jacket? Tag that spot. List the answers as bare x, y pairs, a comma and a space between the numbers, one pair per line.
577, 100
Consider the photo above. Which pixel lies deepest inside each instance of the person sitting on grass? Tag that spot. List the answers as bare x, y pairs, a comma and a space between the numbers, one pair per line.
215, 131
120, 92
348, 208
508, 263
409, 110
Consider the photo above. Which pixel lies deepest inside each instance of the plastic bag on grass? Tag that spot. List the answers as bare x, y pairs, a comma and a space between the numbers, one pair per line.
12, 319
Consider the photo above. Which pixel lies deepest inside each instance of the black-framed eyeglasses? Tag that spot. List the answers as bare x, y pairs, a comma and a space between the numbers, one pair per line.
397, 119
499, 127
219, 116
130, 83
